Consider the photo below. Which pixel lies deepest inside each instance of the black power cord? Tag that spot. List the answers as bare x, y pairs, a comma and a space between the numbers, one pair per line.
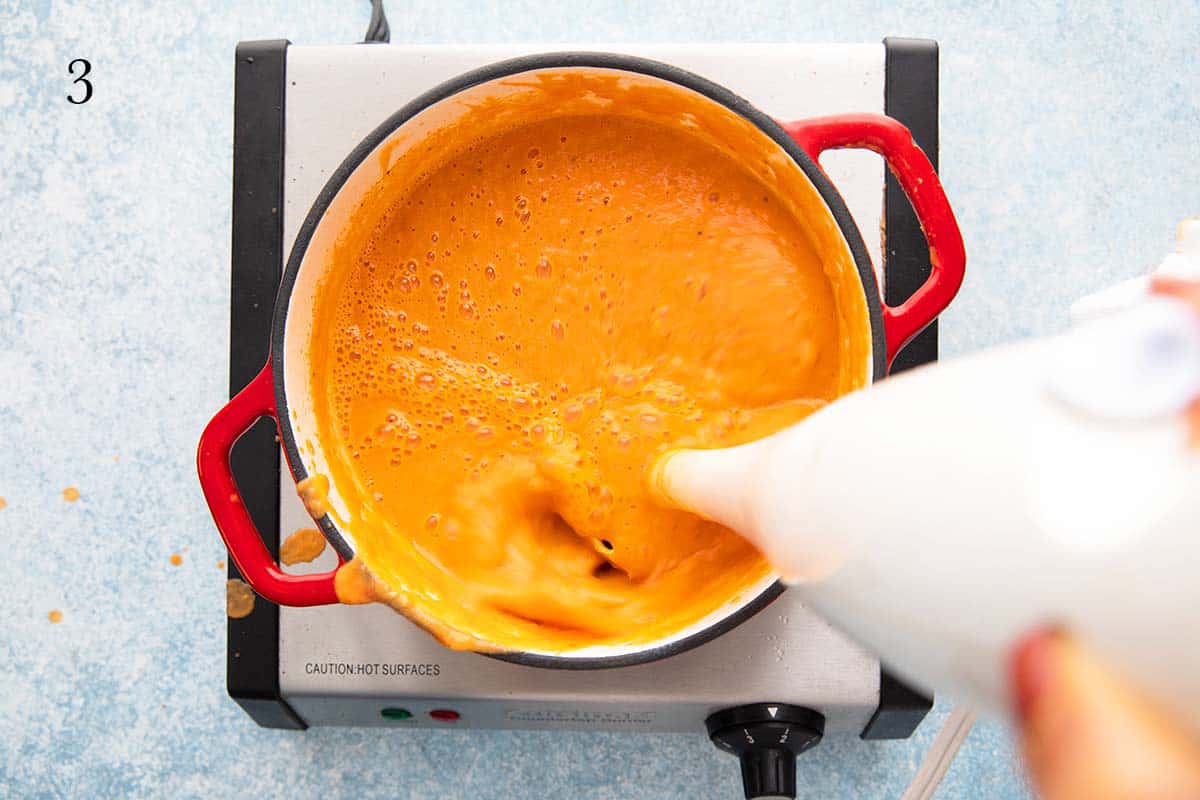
377, 29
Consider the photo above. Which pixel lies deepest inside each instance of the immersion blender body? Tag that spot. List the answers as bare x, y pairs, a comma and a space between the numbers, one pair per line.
943, 513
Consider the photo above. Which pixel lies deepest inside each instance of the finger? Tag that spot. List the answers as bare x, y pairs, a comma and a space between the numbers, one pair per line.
1086, 735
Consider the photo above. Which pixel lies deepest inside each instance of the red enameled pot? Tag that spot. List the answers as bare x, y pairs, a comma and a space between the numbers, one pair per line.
281, 390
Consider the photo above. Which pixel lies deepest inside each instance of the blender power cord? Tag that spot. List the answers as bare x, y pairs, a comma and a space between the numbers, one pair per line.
941, 753
377, 28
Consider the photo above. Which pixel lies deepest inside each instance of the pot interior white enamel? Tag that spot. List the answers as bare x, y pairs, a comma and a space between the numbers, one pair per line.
415, 138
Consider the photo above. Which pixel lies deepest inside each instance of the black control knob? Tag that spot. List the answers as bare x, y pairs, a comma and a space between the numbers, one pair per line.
766, 737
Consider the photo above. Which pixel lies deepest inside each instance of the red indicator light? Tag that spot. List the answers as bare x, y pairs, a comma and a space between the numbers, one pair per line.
444, 715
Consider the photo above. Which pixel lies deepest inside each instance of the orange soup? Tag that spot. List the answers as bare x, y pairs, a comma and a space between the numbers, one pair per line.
534, 322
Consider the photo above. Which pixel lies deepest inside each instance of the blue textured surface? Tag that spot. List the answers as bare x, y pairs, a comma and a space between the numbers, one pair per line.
1068, 133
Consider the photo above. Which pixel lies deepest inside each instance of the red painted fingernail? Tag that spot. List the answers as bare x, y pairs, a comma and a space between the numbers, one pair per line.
1031, 666
1194, 419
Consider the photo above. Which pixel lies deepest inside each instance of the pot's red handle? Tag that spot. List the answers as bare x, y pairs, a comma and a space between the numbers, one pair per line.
246, 547
912, 169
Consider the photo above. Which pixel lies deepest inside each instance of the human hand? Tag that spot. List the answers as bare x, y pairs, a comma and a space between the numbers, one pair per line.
1087, 735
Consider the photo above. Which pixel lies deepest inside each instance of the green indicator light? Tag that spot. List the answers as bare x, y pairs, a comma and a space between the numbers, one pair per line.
395, 713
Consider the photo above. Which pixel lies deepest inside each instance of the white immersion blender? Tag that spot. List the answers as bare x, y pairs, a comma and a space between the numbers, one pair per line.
1054, 481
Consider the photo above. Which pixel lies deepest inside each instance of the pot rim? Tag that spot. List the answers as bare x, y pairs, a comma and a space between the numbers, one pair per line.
570, 59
